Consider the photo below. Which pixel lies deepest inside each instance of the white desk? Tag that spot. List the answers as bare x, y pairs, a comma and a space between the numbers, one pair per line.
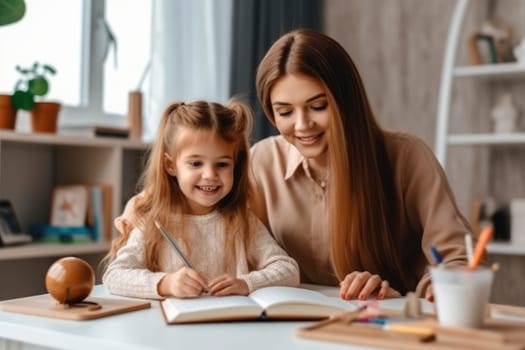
146, 329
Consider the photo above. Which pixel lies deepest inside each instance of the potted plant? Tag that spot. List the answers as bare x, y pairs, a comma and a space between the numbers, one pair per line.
34, 83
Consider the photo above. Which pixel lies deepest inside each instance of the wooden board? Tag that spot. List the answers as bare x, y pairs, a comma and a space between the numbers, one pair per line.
495, 335
45, 305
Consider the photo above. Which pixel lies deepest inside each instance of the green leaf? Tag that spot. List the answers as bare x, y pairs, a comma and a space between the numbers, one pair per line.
50, 69
11, 11
23, 100
21, 70
38, 86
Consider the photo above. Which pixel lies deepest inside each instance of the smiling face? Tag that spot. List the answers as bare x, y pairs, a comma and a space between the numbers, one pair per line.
302, 113
204, 166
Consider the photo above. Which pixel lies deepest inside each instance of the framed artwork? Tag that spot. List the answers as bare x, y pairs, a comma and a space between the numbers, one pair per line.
10, 230
69, 207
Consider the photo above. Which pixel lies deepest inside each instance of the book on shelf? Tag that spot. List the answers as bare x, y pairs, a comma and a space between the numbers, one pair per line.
69, 205
482, 49
96, 131
287, 303
109, 131
86, 206
99, 215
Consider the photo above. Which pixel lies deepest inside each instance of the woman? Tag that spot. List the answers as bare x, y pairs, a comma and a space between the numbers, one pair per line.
353, 203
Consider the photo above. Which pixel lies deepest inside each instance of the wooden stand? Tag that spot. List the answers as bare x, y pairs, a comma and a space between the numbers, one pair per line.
494, 335
45, 305
135, 115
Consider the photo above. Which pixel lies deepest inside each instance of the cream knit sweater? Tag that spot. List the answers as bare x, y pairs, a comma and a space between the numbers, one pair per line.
263, 263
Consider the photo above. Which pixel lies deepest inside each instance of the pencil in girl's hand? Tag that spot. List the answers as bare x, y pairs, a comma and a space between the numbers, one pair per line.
174, 245
484, 239
435, 254
177, 250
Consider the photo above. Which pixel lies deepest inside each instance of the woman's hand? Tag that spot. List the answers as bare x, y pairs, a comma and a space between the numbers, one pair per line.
429, 294
183, 283
361, 285
228, 285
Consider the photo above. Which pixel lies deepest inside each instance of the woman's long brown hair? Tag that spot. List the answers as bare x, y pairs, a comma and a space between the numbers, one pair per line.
363, 212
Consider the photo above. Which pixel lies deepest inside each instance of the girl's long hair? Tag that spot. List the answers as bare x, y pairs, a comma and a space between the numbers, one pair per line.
161, 198
363, 214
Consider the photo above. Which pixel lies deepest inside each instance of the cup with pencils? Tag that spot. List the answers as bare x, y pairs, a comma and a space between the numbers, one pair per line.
462, 293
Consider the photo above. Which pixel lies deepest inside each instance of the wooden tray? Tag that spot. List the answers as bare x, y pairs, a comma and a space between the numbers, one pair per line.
495, 335
45, 305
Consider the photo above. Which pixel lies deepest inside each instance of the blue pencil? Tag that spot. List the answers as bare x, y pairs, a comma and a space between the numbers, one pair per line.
435, 254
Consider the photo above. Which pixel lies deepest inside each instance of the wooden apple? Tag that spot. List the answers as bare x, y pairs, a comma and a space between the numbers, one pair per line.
70, 280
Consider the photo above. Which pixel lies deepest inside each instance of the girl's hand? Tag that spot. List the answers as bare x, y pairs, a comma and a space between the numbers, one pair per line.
228, 285
183, 283
361, 285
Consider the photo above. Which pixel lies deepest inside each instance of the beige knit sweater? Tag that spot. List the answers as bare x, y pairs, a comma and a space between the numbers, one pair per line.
263, 263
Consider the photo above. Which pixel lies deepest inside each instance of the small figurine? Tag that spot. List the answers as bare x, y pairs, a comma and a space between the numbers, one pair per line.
502, 34
412, 306
505, 115
519, 51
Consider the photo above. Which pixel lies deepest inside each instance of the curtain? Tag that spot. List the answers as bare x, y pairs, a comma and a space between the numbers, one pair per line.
256, 25
190, 58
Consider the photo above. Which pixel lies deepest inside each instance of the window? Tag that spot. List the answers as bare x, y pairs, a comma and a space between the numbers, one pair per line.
40, 36
126, 71
100, 48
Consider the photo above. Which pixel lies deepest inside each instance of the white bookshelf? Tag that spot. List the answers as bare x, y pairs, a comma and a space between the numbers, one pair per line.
486, 139
491, 71
452, 71
30, 166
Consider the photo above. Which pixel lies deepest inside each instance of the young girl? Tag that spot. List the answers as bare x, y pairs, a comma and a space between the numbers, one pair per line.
196, 185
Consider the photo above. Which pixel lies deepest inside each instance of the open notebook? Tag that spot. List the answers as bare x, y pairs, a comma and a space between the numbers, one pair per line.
265, 303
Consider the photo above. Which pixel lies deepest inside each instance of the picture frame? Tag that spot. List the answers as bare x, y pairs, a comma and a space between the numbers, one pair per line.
10, 229
69, 206
8, 220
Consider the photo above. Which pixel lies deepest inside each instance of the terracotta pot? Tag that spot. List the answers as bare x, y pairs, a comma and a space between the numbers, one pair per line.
44, 117
7, 113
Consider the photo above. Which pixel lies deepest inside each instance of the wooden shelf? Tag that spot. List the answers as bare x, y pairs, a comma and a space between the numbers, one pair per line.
506, 248
450, 71
72, 140
42, 250
486, 139
491, 71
